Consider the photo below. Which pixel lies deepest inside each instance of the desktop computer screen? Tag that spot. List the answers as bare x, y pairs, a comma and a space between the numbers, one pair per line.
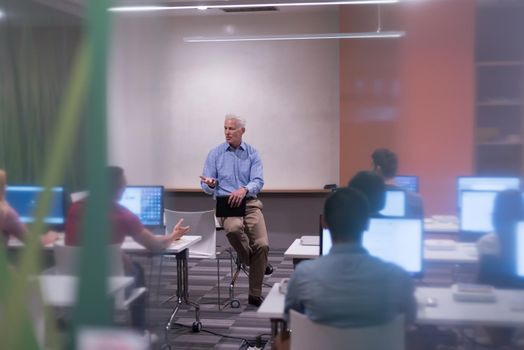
395, 203
476, 211
519, 242
398, 241
474, 183
146, 202
24, 200
408, 183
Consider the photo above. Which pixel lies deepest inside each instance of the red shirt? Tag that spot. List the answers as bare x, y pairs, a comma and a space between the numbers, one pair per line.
123, 221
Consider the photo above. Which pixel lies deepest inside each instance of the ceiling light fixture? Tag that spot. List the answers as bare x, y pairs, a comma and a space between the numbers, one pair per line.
363, 35
225, 5
2, 14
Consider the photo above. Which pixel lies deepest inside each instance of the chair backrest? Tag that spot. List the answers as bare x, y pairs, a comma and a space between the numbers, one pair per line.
66, 260
76, 196
307, 335
202, 223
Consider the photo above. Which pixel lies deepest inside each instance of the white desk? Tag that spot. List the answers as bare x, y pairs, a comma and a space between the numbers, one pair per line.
298, 252
14, 243
446, 312
60, 291
130, 246
178, 248
459, 253
273, 308
273, 304
450, 312
441, 226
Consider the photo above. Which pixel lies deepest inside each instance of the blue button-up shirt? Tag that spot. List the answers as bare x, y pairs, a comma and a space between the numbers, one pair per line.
350, 288
234, 168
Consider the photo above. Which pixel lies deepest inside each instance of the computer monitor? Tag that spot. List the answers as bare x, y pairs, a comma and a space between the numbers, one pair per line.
475, 183
146, 202
476, 211
519, 246
24, 200
407, 182
394, 240
395, 203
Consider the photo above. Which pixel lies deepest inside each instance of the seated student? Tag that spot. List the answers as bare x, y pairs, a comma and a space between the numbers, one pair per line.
348, 287
373, 188
124, 223
497, 256
497, 250
385, 164
10, 224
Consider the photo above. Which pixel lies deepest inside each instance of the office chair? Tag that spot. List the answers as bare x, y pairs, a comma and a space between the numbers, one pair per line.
308, 335
76, 196
236, 267
203, 223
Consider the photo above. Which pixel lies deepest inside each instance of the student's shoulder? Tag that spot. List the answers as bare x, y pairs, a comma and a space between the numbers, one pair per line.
488, 244
124, 213
305, 267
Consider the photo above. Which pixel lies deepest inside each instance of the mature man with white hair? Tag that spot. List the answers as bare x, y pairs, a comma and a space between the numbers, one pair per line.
234, 169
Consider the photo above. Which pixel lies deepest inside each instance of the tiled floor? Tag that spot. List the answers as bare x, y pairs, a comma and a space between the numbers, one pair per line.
233, 325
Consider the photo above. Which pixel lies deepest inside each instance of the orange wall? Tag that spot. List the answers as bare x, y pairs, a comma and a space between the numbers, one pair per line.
414, 95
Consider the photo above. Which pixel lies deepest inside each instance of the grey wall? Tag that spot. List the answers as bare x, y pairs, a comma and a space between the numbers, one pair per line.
168, 98
288, 215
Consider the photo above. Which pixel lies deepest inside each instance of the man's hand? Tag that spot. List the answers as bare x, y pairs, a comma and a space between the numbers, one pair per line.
235, 198
179, 230
208, 181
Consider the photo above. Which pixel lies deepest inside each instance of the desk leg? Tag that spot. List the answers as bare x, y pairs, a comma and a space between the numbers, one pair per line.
182, 294
278, 326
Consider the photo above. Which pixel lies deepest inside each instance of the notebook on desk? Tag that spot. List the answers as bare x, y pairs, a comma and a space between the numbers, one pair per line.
224, 210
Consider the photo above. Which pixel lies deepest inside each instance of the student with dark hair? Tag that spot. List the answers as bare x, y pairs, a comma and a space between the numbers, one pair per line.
373, 188
348, 287
497, 255
497, 250
385, 164
124, 223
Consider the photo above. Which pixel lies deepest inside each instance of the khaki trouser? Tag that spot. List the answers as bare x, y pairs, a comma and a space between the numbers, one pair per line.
248, 236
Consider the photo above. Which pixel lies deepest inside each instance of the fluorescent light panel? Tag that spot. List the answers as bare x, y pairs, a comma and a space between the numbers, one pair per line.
246, 5
363, 35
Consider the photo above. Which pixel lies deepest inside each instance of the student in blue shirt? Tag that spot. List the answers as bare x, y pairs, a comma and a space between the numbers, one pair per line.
234, 169
348, 287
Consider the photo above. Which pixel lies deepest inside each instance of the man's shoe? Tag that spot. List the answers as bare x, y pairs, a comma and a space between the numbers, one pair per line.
269, 269
255, 301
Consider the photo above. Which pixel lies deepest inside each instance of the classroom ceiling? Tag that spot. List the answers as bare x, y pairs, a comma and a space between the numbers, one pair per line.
77, 7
